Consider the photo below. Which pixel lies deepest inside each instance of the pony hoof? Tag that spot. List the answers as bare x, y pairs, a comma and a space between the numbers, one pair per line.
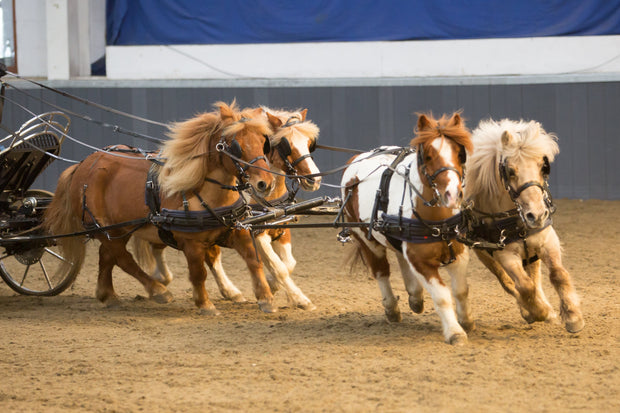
393, 316
112, 303
575, 326
308, 306
468, 325
417, 306
458, 339
211, 311
267, 307
163, 298
239, 298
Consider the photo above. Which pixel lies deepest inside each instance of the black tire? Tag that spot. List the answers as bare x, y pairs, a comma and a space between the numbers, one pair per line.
37, 271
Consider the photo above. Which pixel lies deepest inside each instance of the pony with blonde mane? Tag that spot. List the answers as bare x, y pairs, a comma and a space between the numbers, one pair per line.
420, 200
204, 160
507, 188
292, 142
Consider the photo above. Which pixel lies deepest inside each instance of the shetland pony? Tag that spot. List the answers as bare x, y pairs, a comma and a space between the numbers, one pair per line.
197, 178
507, 186
291, 145
426, 185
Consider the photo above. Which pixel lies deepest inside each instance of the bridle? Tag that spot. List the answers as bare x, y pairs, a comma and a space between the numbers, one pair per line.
284, 150
516, 193
431, 178
234, 149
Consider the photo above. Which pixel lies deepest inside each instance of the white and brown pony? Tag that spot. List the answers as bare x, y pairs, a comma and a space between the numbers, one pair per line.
511, 210
415, 214
197, 197
292, 143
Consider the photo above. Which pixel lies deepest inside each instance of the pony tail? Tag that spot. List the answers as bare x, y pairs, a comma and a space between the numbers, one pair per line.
143, 254
60, 218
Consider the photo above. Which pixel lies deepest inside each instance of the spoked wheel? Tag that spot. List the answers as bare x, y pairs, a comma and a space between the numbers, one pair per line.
36, 270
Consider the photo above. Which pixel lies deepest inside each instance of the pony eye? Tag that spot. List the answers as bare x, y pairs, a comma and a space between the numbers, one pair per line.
511, 173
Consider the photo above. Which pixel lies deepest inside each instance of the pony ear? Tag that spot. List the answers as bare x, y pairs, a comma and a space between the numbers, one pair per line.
226, 112
274, 121
423, 122
457, 119
506, 138
303, 114
257, 112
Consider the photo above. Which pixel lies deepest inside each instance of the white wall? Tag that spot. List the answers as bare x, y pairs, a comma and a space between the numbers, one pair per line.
445, 58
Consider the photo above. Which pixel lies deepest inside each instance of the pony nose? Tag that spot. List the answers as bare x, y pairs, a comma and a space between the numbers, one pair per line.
533, 221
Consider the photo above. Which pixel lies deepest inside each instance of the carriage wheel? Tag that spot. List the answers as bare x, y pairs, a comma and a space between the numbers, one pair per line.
36, 271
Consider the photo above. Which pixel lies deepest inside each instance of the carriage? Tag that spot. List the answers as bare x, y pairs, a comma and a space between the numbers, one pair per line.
30, 262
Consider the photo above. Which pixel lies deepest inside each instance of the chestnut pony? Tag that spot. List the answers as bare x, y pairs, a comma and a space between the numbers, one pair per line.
292, 142
507, 185
424, 192
197, 178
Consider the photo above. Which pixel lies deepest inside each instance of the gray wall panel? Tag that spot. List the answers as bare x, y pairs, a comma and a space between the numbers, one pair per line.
583, 115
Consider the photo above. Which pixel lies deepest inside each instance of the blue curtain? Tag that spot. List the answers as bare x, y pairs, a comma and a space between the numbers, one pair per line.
148, 22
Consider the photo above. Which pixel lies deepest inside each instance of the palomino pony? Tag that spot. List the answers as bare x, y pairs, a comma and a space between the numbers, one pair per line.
511, 208
419, 194
199, 199
291, 145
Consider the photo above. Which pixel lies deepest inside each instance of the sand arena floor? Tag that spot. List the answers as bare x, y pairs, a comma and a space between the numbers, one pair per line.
69, 353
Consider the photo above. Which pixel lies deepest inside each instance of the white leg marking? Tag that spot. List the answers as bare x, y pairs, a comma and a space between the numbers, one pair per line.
460, 289
162, 271
414, 288
389, 301
285, 252
280, 271
442, 300
228, 290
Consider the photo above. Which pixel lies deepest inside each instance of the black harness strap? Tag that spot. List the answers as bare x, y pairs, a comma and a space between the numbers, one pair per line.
382, 197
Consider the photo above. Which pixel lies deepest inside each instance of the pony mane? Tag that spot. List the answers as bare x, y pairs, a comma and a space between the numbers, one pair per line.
452, 128
529, 140
190, 152
305, 127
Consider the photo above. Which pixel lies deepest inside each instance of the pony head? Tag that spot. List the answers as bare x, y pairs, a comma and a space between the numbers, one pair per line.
226, 144
244, 145
442, 146
292, 144
523, 168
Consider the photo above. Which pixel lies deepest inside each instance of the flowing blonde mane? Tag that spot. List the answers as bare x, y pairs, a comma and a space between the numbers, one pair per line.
529, 140
305, 127
190, 152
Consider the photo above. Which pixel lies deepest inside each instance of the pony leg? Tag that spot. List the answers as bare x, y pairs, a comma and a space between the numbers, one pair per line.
374, 255
533, 271
460, 290
195, 255
282, 247
528, 295
105, 286
115, 251
504, 280
414, 288
229, 291
280, 271
427, 272
245, 247
162, 272
570, 307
